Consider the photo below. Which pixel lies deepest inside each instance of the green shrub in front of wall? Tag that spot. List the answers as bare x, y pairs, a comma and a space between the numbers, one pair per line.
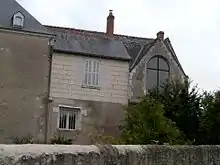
22, 140
60, 140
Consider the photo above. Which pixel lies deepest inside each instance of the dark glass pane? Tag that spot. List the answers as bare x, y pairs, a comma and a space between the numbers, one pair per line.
63, 118
64, 121
151, 79
152, 63
60, 123
163, 77
163, 64
72, 120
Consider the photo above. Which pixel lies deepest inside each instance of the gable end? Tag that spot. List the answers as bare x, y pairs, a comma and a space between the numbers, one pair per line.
168, 44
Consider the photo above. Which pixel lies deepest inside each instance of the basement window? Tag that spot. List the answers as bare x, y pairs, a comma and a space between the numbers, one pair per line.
68, 117
18, 20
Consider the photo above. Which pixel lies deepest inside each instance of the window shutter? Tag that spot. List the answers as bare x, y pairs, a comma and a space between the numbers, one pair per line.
86, 72
92, 72
97, 74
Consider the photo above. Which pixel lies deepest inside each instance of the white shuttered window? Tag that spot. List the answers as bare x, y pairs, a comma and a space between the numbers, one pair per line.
92, 73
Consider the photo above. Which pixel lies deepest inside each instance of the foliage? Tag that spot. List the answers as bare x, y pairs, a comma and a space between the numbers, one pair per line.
210, 119
104, 139
182, 105
60, 140
145, 124
100, 137
22, 140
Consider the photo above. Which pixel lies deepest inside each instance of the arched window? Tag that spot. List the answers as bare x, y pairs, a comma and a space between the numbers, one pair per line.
157, 72
18, 20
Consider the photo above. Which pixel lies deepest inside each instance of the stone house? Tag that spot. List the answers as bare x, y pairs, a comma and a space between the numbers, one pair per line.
73, 82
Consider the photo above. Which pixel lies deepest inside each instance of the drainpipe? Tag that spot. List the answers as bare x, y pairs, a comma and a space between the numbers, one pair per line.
51, 45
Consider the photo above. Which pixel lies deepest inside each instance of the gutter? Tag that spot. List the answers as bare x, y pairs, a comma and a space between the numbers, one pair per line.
27, 32
91, 55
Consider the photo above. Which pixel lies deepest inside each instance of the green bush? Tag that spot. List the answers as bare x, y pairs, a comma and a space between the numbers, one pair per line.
210, 119
182, 104
60, 140
22, 140
145, 123
100, 138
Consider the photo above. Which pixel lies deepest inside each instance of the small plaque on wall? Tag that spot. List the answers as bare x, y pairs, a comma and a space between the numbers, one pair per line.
56, 109
84, 112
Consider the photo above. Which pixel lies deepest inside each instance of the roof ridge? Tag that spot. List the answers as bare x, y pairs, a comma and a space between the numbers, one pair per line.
97, 32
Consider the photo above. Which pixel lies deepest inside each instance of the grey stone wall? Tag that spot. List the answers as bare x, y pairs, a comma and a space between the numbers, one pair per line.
95, 116
24, 72
108, 155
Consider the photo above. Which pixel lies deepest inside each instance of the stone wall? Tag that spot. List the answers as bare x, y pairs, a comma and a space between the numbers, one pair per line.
138, 78
97, 107
95, 117
24, 63
108, 155
68, 76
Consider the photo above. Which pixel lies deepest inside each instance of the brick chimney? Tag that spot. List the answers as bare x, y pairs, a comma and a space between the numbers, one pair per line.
110, 24
160, 35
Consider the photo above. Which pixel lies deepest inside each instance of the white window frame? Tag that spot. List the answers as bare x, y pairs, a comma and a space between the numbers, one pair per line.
17, 16
92, 73
76, 110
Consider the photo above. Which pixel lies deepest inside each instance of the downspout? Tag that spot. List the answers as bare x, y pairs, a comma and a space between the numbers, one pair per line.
51, 44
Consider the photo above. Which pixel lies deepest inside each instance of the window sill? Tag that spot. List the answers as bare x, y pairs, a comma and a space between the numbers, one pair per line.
91, 87
17, 26
68, 130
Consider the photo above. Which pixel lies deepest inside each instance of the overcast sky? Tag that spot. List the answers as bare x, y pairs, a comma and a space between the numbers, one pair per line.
192, 25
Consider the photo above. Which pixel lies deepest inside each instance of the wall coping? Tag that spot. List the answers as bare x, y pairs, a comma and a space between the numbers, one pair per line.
68, 154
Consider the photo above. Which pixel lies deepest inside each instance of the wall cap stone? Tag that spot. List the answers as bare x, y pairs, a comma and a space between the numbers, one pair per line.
108, 154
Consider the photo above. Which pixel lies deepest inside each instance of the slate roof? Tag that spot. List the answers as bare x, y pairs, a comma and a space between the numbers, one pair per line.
141, 54
81, 42
9, 7
134, 45
98, 43
65, 36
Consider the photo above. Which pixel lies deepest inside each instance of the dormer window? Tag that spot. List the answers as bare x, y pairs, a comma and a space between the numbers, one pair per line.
18, 20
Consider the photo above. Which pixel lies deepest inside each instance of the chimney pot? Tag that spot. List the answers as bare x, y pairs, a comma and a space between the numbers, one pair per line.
160, 35
110, 24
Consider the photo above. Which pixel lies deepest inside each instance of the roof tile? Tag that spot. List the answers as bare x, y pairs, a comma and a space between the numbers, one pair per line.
78, 41
99, 40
